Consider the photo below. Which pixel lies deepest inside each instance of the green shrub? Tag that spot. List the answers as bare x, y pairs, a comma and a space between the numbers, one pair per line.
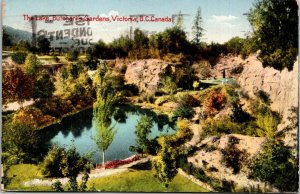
183, 112
277, 166
263, 96
19, 57
51, 163
223, 125
233, 157
187, 100
237, 70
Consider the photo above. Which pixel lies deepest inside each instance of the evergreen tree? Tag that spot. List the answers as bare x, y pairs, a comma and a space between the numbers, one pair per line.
197, 27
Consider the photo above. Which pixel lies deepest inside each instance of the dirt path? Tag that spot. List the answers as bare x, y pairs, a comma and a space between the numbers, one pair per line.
13, 106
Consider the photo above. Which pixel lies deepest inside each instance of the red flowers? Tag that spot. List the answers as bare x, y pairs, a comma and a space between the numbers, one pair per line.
116, 163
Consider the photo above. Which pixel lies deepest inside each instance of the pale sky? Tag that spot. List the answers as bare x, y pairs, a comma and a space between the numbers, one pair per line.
222, 19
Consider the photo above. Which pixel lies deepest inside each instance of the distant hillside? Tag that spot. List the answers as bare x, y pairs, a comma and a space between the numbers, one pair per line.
17, 35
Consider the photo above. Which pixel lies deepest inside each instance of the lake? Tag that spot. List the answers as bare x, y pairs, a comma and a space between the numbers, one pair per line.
80, 130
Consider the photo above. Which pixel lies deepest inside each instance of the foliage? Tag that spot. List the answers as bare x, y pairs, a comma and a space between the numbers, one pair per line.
197, 27
67, 163
188, 100
55, 106
272, 21
277, 166
215, 102
237, 70
72, 56
195, 85
32, 116
235, 45
223, 125
263, 96
142, 131
20, 141
6, 38
51, 163
57, 186
233, 157
19, 57
183, 112
17, 86
43, 45
164, 164
44, 87
32, 65
103, 109
238, 114
267, 124
169, 86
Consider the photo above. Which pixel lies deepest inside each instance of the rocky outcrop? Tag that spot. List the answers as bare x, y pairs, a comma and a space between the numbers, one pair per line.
281, 86
146, 74
210, 158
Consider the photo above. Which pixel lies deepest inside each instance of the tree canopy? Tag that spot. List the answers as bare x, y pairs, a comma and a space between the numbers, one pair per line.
275, 26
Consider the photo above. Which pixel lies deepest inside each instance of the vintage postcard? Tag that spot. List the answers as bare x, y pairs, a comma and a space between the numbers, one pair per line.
149, 96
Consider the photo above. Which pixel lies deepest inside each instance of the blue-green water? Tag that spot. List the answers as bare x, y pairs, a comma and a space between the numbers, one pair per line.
80, 131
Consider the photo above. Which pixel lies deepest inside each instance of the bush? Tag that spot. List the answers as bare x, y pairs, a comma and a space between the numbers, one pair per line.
51, 164
215, 101
237, 70
277, 166
263, 96
187, 100
233, 157
55, 106
183, 112
72, 56
19, 57
32, 116
223, 125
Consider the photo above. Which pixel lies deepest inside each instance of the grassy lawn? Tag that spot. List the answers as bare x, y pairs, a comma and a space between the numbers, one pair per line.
20, 173
142, 181
130, 181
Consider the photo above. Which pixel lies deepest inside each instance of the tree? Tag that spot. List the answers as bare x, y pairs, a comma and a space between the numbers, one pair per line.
195, 85
197, 27
32, 65
142, 131
19, 57
103, 109
6, 39
67, 163
164, 164
169, 86
267, 124
43, 45
17, 86
179, 21
272, 22
44, 87
276, 165
235, 45
20, 141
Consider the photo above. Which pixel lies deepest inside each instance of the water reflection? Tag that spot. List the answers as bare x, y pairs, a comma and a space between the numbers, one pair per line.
80, 129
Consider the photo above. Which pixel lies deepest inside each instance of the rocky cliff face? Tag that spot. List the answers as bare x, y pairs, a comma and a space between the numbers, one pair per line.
146, 74
281, 86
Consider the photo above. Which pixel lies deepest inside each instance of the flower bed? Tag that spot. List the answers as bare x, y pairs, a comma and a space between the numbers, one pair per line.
116, 163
